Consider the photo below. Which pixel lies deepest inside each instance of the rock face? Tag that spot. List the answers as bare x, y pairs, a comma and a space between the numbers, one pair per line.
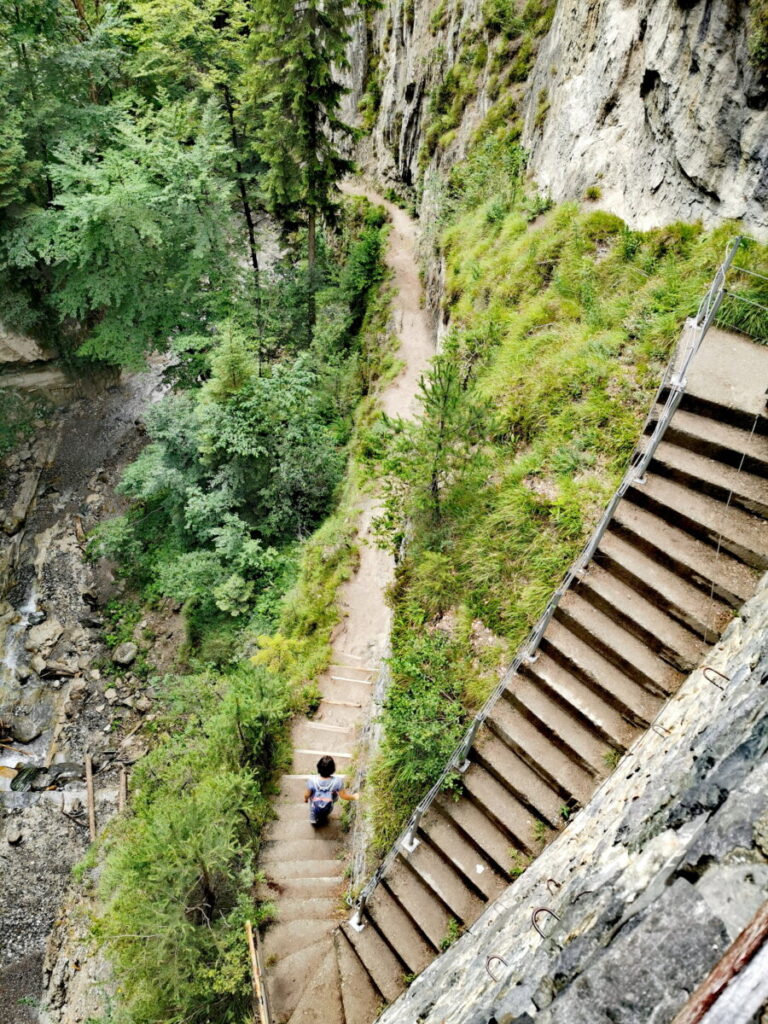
658, 104
650, 883
655, 102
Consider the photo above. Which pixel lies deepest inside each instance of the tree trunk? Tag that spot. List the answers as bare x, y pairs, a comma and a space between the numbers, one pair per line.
311, 260
247, 211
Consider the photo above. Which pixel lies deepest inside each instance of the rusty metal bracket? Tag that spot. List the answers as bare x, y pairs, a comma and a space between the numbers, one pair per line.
535, 914
708, 668
488, 961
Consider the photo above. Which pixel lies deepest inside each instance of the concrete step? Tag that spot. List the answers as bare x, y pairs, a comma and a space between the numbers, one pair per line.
446, 881
286, 938
477, 829
720, 441
280, 871
361, 1000
568, 728
343, 713
557, 767
298, 826
742, 534
477, 871
385, 969
313, 735
693, 607
701, 473
418, 899
309, 908
527, 787
505, 812
572, 652
582, 701
287, 979
321, 1002
671, 641
399, 931
329, 886
305, 759
354, 691
622, 649
366, 673
283, 851
694, 561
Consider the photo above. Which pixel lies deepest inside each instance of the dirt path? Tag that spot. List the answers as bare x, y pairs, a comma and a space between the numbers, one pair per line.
365, 628
303, 866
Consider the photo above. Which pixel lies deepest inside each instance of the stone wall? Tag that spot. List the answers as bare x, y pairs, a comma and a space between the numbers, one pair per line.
650, 883
653, 101
657, 103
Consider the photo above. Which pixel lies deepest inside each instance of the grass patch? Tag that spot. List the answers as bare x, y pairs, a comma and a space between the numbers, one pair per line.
559, 334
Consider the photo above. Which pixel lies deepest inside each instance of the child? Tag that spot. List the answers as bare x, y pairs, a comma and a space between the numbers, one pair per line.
323, 790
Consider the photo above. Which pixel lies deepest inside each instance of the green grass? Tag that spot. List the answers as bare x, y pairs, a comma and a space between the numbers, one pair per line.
560, 332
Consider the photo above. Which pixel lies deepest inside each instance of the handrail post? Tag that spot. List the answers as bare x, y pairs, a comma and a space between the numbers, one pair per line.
410, 840
356, 921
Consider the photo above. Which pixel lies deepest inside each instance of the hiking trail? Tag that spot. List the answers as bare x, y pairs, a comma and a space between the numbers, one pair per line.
304, 867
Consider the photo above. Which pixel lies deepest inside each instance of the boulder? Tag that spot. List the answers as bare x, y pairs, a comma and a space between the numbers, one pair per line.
44, 635
14, 835
125, 653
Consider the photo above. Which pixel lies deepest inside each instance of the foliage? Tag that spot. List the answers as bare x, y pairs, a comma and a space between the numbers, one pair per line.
178, 874
758, 33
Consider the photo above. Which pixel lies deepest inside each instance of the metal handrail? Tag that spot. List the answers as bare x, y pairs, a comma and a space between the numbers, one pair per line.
674, 382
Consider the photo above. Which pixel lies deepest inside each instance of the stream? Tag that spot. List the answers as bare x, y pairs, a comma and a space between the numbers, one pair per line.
61, 694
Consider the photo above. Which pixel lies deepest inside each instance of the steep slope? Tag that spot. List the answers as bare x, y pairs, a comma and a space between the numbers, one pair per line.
685, 547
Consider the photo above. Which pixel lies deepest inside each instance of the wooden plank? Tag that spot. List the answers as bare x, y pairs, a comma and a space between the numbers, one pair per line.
89, 792
736, 957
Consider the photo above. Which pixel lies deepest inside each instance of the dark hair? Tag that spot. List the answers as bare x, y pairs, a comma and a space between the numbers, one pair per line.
326, 766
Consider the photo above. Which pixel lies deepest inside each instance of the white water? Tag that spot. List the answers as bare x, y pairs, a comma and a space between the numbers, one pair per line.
14, 639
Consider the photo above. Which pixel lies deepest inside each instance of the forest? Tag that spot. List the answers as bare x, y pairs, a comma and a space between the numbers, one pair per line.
152, 201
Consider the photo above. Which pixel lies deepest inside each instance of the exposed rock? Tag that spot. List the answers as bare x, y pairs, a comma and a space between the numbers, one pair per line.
654, 101
143, 704
13, 835
111, 694
125, 653
658, 104
37, 664
44, 636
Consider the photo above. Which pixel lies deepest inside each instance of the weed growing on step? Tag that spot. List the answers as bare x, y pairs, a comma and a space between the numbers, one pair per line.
452, 932
518, 862
540, 831
611, 758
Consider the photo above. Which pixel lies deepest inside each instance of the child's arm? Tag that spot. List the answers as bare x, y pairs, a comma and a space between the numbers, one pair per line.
345, 795
307, 795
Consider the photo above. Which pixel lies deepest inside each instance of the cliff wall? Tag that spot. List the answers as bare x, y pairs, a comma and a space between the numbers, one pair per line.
655, 102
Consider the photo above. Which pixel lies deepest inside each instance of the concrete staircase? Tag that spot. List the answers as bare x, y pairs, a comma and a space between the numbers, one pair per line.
684, 549
304, 866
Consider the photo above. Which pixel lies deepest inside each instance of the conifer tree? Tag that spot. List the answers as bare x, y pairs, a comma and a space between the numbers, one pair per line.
299, 48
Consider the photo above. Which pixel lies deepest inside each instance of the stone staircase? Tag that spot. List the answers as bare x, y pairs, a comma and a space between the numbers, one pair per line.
683, 551
304, 866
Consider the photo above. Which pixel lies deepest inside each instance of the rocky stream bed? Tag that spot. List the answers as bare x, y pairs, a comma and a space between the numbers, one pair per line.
63, 693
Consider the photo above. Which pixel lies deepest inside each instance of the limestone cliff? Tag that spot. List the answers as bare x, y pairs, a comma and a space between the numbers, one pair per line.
656, 102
